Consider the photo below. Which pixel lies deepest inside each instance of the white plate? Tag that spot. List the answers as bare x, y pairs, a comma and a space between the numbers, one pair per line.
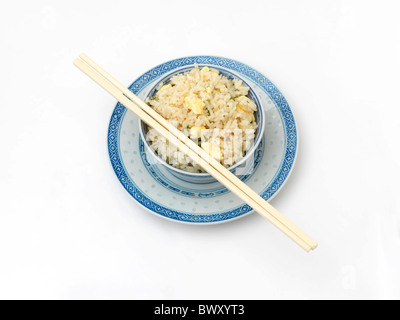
160, 192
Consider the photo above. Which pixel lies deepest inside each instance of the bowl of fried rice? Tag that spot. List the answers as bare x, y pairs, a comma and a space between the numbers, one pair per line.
216, 109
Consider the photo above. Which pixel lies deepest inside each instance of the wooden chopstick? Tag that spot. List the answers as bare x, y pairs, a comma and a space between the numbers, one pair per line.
213, 167
195, 147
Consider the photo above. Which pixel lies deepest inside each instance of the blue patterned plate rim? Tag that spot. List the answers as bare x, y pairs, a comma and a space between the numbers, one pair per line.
280, 178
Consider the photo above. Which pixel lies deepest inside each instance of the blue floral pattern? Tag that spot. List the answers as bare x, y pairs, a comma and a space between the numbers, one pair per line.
255, 76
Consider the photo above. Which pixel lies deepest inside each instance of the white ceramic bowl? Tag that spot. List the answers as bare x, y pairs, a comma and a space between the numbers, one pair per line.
241, 166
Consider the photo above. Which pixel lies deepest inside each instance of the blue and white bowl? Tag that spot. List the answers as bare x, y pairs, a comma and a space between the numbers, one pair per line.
242, 167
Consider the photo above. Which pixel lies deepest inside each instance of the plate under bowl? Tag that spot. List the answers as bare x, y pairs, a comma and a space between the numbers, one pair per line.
159, 192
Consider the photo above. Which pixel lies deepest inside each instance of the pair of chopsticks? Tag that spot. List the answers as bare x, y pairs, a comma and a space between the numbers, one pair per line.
190, 148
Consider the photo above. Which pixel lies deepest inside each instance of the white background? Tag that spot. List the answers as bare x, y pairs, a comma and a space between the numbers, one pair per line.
68, 230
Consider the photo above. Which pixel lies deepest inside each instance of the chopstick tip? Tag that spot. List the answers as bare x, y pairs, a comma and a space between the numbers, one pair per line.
83, 56
313, 247
77, 62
